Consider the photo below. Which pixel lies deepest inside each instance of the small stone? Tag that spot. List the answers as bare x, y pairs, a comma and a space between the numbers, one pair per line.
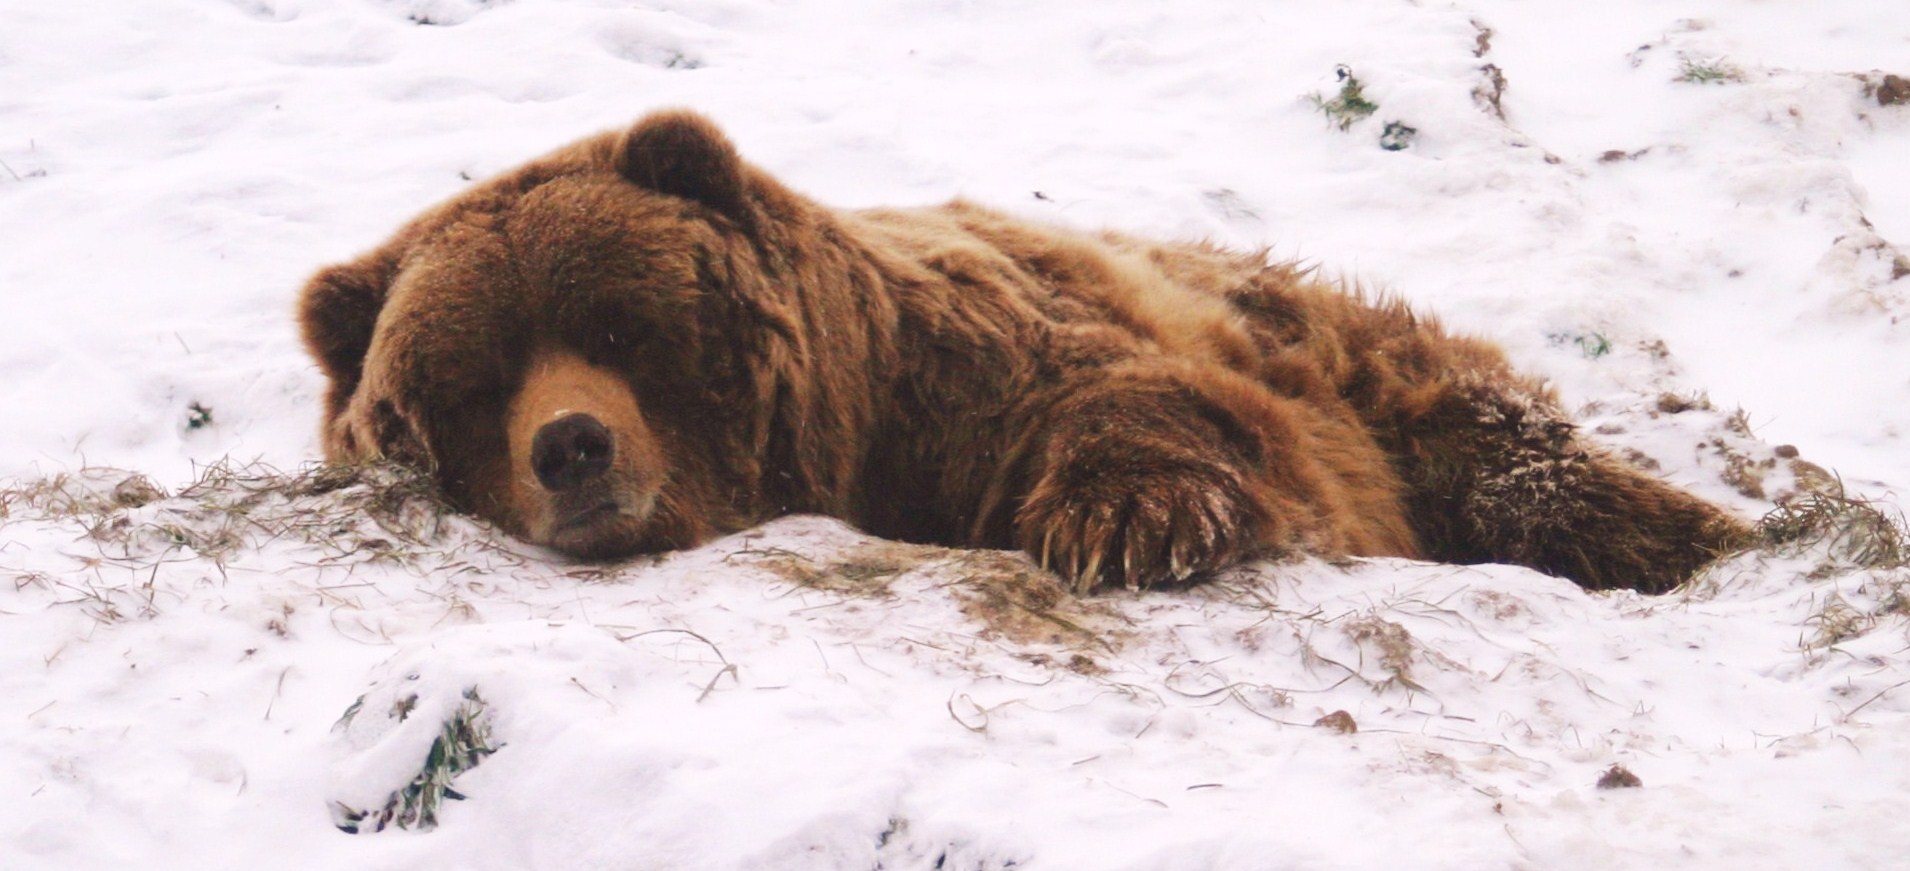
1397, 136
1785, 452
1338, 721
1619, 777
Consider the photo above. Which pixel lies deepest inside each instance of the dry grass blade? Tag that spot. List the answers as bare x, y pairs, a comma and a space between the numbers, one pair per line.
1838, 622
1391, 641
92, 491
123, 522
1862, 532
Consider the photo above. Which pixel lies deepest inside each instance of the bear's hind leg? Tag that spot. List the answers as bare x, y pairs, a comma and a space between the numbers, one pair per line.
1497, 474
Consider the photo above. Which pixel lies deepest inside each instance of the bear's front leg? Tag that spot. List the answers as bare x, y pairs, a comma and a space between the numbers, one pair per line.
1142, 476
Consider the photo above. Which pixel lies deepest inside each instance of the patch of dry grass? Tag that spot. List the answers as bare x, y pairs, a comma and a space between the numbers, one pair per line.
127, 528
377, 510
1013, 599
1855, 532
1837, 622
866, 570
1390, 641
88, 492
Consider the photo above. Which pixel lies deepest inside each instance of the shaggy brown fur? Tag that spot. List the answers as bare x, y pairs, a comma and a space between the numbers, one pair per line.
640, 342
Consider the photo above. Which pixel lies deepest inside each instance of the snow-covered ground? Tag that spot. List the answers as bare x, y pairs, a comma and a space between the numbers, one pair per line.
174, 671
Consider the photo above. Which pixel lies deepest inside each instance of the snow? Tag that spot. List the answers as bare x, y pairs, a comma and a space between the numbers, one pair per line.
173, 673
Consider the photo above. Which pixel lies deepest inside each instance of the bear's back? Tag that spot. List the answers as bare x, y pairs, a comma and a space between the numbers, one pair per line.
1165, 298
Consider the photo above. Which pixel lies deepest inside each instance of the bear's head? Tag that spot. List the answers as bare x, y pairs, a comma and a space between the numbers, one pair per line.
579, 351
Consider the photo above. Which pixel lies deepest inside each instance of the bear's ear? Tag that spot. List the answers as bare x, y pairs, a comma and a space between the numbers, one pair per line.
681, 153
337, 312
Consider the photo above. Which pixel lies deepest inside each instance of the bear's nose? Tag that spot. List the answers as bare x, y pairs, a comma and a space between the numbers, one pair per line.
569, 451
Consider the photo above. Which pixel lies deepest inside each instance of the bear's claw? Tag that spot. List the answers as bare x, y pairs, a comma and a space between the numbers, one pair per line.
1138, 532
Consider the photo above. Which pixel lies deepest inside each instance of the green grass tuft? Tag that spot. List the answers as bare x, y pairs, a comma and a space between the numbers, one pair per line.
1349, 106
1712, 71
462, 743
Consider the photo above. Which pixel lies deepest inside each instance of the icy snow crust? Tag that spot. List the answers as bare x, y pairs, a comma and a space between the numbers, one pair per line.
174, 662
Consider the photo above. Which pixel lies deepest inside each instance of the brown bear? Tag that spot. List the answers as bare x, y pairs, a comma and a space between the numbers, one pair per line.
640, 342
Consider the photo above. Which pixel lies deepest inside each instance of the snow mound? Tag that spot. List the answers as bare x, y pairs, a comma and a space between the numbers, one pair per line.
805, 696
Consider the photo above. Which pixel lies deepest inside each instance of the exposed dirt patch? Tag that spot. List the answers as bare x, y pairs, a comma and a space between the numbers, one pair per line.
1390, 641
1004, 591
867, 569
1641, 460
1016, 601
1679, 403
1743, 472
1619, 155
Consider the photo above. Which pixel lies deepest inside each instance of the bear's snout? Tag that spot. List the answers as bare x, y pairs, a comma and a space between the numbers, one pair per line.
571, 451
587, 473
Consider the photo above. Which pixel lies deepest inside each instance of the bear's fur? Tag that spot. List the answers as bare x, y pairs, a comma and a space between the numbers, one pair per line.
640, 342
